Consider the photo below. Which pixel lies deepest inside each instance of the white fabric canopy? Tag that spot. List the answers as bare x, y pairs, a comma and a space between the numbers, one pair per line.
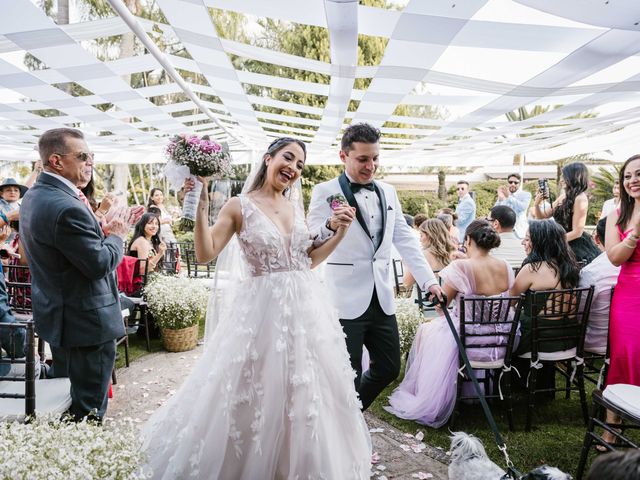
475, 60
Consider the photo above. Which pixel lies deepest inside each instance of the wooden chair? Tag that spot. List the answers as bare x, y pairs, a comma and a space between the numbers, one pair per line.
141, 311
630, 422
488, 323
18, 282
124, 340
197, 269
21, 394
171, 260
557, 316
398, 275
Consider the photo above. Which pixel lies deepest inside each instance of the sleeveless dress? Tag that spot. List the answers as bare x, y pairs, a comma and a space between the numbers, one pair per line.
427, 393
272, 396
624, 323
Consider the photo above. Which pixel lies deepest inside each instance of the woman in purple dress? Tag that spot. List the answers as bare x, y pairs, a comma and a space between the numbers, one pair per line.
427, 393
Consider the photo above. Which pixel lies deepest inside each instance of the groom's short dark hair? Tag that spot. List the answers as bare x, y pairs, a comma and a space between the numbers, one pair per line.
359, 132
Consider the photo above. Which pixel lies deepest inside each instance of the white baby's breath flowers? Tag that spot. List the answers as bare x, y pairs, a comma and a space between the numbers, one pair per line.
55, 450
176, 302
409, 318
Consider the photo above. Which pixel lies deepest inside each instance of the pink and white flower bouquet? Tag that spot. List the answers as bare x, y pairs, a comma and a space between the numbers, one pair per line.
190, 155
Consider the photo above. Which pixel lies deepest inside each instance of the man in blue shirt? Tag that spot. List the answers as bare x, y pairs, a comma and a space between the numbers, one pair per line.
466, 209
517, 199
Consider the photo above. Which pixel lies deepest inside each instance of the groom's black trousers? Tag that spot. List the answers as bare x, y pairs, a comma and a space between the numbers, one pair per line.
379, 333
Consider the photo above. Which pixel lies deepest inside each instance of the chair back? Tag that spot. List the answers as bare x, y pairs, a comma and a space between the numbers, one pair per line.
559, 321
398, 275
488, 328
197, 269
29, 376
171, 260
132, 275
18, 281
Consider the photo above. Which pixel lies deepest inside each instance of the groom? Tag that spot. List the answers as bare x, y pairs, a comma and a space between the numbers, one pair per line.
357, 272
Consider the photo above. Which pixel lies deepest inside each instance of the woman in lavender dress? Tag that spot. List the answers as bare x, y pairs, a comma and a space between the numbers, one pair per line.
428, 391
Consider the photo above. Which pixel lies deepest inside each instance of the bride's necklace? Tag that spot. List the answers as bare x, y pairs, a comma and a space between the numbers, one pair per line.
276, 209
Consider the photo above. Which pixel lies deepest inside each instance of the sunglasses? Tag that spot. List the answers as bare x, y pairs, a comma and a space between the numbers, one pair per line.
82, 156
514, 182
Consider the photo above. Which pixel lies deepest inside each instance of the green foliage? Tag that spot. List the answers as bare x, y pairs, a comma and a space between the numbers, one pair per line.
314, 174
419, 202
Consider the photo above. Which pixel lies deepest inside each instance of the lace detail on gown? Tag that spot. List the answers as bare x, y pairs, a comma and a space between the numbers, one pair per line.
272, 396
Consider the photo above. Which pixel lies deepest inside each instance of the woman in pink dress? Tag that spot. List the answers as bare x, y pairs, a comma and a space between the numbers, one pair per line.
623, 228
427, 393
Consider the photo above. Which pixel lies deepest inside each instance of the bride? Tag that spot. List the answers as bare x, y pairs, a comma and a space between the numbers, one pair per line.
272, 396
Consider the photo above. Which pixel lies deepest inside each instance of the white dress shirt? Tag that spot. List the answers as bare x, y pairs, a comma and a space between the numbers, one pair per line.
510, 249
604, 275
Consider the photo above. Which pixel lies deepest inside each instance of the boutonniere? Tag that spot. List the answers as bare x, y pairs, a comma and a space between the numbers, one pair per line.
336, 201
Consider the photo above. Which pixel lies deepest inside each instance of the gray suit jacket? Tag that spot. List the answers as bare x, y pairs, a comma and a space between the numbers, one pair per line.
74, 292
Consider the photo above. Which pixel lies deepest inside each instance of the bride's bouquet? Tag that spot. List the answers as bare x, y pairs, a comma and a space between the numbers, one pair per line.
190, 155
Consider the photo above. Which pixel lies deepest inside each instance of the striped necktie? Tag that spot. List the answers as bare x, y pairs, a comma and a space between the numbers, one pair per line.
84, 199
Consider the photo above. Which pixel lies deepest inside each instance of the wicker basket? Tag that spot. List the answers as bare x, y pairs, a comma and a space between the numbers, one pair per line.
180, 340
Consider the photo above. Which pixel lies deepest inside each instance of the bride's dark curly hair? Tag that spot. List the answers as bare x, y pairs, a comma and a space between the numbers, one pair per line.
576, 179
549, 245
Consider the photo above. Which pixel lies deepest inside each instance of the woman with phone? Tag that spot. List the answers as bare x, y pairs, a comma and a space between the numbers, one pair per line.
570, 211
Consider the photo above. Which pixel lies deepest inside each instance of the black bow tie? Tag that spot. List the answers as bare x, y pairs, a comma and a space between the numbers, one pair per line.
356, 187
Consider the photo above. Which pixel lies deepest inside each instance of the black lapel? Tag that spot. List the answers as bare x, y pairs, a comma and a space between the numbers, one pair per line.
346, 189
383, 207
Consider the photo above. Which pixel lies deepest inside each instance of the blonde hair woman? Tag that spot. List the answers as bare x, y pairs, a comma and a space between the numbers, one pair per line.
437, 247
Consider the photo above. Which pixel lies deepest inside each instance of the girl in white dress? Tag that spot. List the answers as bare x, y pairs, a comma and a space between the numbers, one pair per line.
272, 396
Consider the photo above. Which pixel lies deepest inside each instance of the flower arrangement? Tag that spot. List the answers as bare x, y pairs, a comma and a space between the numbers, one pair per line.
49, 448
203, 157
190, 155
409, 318
176, 302
336, 201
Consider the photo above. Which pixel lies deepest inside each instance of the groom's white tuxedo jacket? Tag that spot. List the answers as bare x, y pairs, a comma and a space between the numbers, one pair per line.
356, 266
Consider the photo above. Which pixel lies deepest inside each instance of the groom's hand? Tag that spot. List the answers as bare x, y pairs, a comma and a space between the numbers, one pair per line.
436, 291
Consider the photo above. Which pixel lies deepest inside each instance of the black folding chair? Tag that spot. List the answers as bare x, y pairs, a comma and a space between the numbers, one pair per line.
488, 324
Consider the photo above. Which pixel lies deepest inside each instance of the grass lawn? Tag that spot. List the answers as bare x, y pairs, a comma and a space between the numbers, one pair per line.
556, 437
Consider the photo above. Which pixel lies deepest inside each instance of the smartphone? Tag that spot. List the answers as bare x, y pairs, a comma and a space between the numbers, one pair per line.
543, 186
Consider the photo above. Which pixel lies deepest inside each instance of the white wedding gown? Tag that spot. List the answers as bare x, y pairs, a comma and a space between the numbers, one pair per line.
272, 396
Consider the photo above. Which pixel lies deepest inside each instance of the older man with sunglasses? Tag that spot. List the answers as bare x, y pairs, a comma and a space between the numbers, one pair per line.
75, 301
518, 199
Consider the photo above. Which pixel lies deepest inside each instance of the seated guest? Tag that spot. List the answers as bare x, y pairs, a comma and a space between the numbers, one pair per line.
603, 275
450, 220
436, 247
418, 218
12, 341
503, 219
550, 265
10, 194
146, 242
428, 391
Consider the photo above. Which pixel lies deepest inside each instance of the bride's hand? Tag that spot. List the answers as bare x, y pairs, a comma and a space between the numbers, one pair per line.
342, 217
190, 184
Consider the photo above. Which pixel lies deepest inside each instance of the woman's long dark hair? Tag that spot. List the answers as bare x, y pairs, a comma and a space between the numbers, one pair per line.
626, 201
549, 245
275, 146
576, 178
89, 191
151, 203
138, 231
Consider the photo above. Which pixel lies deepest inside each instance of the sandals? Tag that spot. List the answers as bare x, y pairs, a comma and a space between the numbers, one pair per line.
605, 436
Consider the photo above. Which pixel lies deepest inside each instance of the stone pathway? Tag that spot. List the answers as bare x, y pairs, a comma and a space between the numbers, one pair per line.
150, 380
